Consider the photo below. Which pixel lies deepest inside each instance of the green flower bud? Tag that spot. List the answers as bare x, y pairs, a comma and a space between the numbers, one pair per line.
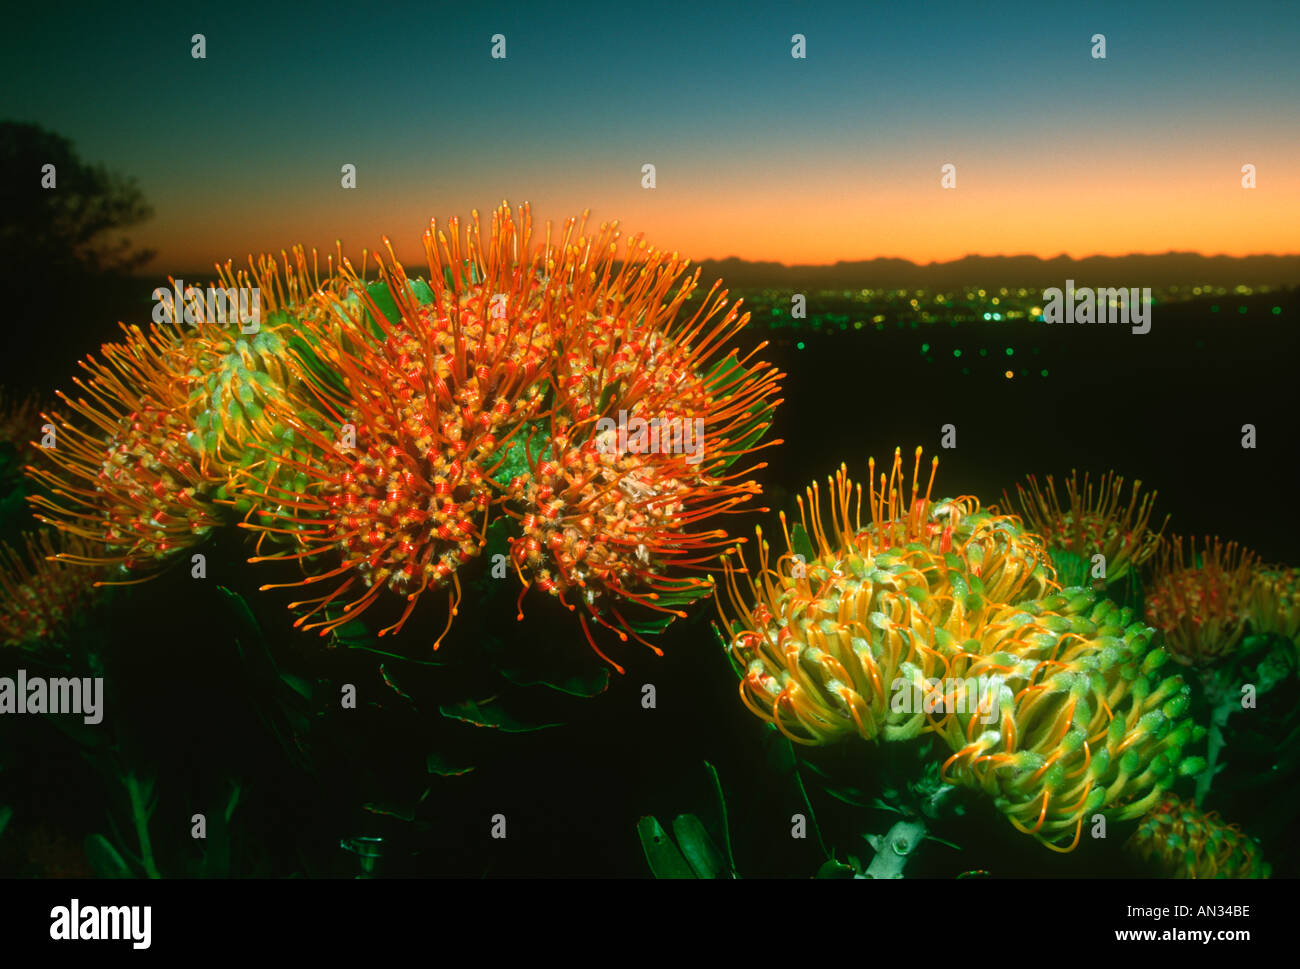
1154, 660
1054, 777
1101, 761
1115, 733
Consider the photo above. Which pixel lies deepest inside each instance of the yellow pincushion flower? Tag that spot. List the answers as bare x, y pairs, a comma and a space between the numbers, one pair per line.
828, 639
1078, 718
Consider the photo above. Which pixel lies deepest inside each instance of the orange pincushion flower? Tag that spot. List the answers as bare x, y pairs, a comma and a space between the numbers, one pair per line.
393, 474
127, 478
1201, 601
649, 415
38, 594
172, 413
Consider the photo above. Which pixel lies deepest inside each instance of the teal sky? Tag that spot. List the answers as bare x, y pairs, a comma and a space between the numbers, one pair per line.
242, 150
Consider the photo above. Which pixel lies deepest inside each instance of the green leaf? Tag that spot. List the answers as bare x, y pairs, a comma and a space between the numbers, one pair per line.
584, 683
722, 817
383, 300
216, 851
835, 869
422, 292
697, 847
298, 685
724, 371
656, 625
354, 633
104, 859
6, 812
719, 372
243, 614
849, 795
780, 751
801, 543
391, 810
440, 765
234, 800
326, 376
393, 685
954, 847
605, 397
661, 854
490, 714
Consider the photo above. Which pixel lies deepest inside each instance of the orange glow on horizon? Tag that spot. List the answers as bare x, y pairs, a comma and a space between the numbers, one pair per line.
816, 222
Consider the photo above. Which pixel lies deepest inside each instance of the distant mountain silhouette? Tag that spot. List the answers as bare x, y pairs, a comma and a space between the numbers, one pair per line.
1167, 269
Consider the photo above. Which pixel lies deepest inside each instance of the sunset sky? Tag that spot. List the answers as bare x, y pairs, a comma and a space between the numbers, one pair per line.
758, 155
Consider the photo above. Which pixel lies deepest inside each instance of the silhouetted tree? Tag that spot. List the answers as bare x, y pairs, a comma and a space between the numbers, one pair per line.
63, 256
74, 224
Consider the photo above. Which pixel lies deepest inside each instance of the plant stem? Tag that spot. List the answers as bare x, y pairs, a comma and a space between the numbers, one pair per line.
896, 847
1222, 705
140, 813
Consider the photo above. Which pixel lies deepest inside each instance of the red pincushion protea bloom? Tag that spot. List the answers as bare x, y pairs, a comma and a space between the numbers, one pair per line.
1201, 601
38, 593
649, 415
1094, 520
1185, 842
127, 478
410, 417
